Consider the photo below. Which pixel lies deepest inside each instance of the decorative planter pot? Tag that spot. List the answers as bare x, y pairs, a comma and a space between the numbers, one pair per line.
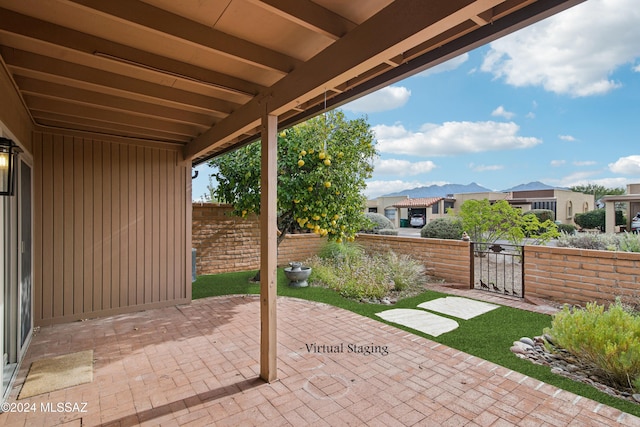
297, 275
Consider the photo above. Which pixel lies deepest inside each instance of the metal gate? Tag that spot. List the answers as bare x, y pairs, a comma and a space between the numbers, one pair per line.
498, 267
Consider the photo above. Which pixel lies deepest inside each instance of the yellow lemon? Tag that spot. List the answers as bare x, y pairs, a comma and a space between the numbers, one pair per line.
303, 153
301, 163
327, 162
340, 155
310, 189
327, 184
322, 155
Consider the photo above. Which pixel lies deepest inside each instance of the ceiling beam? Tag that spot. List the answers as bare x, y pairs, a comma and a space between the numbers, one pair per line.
105, 115
60, 121
309, 15
402, 24
25, 63
57, 40
58, 91
183, 29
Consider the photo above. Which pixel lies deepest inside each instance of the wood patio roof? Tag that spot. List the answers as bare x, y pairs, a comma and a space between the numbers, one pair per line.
202, 73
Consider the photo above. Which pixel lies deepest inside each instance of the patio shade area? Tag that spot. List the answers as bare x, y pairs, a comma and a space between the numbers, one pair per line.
194, 365
201, 74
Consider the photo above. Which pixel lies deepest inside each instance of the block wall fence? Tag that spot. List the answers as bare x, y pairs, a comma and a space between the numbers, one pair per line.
226, 243
575, 276
579, 276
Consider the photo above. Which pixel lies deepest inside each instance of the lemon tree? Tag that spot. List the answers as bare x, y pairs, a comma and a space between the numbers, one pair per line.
322, 167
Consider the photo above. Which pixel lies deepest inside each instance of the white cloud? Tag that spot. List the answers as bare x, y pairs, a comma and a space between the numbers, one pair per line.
572, 181
451, 138
637, 68
385, 99
629, 165
556, 163
567, 138
485, 168
402, 167
584, 163
501, 112
572, 53
449, 65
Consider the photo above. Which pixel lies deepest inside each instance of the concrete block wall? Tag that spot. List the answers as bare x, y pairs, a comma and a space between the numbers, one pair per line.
446, 259
226, 243
578, 276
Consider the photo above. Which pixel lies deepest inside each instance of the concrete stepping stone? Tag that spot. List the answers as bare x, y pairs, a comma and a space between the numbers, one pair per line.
419, 320
462, 308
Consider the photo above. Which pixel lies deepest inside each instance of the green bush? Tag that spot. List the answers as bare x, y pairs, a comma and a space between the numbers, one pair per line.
601, 242
348, 270
566, 228
629, 242
591, 219
542, 214
443, 228
334, 250
609, 339
388, 232
596, 219
377, 222
403, 270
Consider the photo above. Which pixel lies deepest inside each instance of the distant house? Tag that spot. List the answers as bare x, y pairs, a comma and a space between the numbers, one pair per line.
564, 204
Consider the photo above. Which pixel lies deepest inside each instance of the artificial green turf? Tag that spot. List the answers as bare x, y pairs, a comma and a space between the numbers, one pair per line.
488, 337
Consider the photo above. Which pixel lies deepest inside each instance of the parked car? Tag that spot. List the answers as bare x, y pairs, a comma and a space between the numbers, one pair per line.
417, 220
635, 223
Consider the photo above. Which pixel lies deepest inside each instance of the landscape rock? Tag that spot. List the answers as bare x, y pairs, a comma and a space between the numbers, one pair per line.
527, 340
564, 363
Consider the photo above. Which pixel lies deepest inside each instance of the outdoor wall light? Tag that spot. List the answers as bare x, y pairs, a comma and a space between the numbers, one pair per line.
7, 167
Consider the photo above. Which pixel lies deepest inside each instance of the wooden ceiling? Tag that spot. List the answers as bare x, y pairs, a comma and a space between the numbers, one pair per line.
201, 73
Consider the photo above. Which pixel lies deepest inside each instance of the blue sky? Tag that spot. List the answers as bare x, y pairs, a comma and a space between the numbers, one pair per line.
557, 102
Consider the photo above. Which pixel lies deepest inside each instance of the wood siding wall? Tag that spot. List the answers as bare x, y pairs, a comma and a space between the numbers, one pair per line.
111, 224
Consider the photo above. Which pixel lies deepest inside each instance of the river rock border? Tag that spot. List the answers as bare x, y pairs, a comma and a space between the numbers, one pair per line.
564, 363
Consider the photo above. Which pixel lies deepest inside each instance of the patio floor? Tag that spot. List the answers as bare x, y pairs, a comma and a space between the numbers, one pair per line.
197, 364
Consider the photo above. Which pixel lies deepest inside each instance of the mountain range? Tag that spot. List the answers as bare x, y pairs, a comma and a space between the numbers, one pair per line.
447, 189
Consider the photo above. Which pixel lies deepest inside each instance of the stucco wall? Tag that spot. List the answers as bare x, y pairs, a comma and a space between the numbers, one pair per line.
578, 276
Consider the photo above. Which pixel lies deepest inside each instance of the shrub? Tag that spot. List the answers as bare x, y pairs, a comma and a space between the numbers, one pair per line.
341, 251
403, 270
388, 232
591, 219
355, 274
443, 228
629, 242
377, 222
602, 242
608, 339
596, 219
566, 228
542, 214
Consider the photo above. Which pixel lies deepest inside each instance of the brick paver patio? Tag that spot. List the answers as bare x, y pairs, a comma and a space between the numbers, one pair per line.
197, 365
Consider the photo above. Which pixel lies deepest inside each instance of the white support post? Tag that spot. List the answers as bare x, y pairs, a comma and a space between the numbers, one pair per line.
268, 248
